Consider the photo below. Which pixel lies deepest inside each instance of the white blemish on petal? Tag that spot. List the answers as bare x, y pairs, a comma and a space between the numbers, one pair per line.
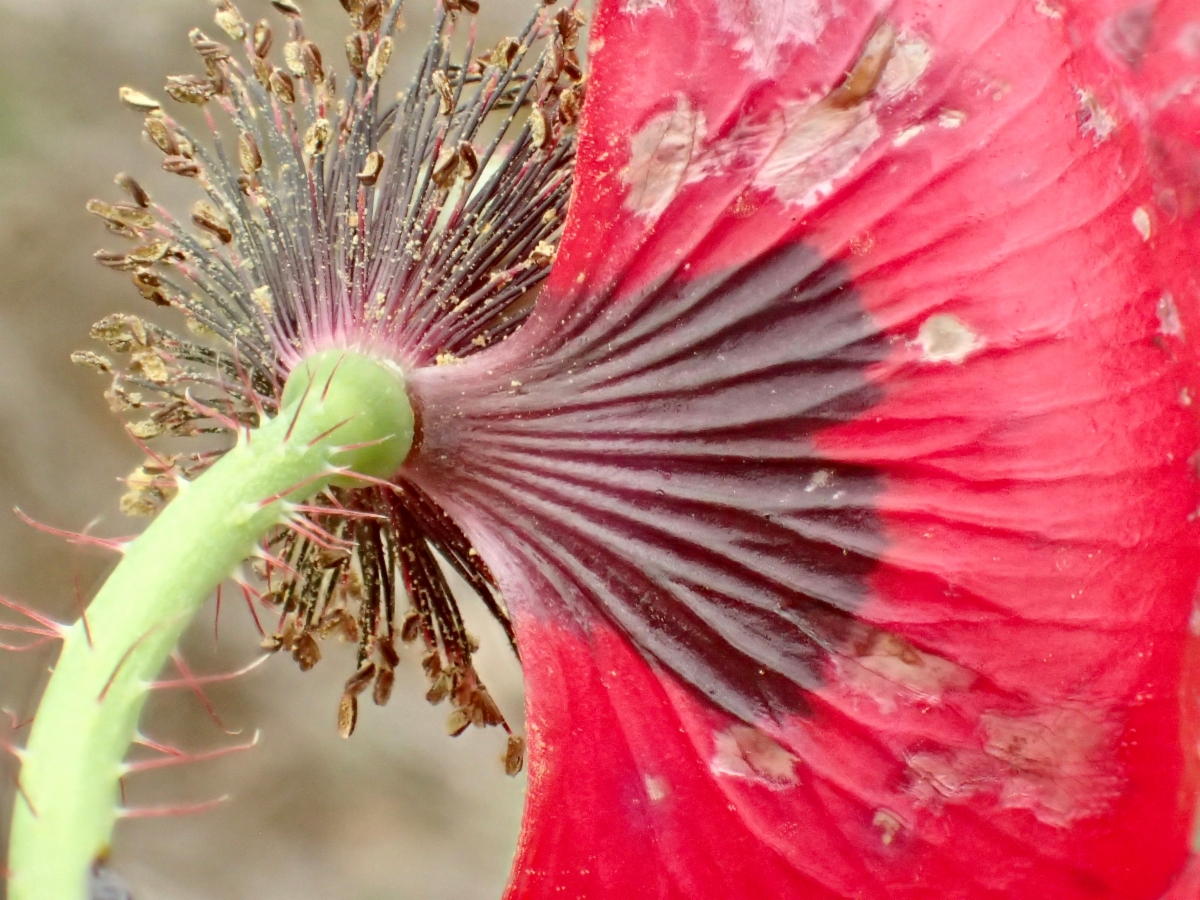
819, 479
909, 61
745, 752
816, 143
819, 144
1188, 42
889, 825
797, 151
1094, 119
660, 154
1060, 764
762, 28
1168, 316
656, 788
952, 118
1141, 221
637, 7
907, 135
891, 671
944, 338
1048, 9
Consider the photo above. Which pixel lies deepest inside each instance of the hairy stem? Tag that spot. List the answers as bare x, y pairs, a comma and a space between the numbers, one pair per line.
341, 412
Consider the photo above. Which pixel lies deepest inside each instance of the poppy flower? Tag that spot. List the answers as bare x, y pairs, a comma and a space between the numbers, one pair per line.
840, 485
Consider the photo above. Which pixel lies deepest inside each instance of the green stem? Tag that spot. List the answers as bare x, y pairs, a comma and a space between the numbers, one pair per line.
341, 411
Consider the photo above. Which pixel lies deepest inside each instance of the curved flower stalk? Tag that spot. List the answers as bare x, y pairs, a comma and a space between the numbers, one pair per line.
841, 482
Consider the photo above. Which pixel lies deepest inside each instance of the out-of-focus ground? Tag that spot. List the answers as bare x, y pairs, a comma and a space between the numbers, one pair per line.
399, 810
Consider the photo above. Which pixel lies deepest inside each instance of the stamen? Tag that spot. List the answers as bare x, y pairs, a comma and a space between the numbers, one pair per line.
417, 230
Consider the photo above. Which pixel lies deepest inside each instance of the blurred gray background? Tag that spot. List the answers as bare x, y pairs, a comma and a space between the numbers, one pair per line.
398, 811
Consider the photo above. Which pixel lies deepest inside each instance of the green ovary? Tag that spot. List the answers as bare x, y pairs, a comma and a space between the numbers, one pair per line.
341, 412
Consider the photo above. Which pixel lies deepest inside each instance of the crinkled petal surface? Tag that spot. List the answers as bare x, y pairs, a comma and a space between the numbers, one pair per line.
843, 482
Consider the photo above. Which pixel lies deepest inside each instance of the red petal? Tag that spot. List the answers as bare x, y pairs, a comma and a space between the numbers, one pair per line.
842, 484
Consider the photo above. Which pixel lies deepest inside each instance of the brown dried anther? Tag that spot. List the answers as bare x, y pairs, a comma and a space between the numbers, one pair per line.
287, 7
454, 6
205, 216
161, 135
377, 62
136, 192
122, 218
135, 99
358, 50
181, 165
372, 166
282, 86
347, 715
209, 50
249, 158
229, 19
263, 38
91, 360
370, 16
514, 755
